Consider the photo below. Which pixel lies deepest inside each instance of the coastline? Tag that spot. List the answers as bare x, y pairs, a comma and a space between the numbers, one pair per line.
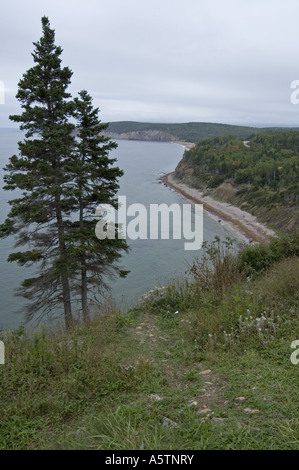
242, 222
187, 145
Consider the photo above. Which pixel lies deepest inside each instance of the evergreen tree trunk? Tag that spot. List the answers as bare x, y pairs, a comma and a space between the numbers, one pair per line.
66, 294
69, 321
84, 289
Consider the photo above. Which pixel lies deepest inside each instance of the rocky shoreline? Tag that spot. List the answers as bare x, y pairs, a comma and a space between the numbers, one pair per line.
240, 221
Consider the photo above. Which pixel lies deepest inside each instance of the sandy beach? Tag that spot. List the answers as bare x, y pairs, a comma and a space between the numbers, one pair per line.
187, 145
242, 222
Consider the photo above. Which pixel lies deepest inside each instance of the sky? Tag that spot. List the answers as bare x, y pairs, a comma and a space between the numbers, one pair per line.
224, 61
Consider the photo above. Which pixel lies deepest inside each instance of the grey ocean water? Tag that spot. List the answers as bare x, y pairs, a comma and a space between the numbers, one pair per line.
151, 262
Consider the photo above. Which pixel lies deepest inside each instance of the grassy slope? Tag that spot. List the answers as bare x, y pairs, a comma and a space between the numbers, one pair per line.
108, 385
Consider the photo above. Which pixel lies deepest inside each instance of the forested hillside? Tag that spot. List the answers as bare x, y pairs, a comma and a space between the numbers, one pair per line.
261, 176
187, 132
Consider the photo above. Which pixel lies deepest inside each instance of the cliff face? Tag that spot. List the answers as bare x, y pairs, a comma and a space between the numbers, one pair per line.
150, 136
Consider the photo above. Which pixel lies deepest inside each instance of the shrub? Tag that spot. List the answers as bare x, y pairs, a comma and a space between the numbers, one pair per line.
257, 258
218, 268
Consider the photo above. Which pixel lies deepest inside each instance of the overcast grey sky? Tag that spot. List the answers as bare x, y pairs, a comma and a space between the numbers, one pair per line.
228, 61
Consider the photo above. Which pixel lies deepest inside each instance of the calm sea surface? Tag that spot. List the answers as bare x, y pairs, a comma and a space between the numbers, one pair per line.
151, 262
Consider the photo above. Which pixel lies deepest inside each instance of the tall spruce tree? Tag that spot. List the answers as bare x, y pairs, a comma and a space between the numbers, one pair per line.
95, 181
63, 174
37, 218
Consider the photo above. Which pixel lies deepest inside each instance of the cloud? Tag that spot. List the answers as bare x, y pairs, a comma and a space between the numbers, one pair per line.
166, 60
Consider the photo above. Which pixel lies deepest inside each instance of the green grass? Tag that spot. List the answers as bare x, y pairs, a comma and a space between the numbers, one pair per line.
109, 384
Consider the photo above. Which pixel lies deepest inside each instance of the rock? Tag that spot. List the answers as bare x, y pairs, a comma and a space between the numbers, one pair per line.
80, 431
240, 399
218, 420
130, 368
204, 411
168, 423
193, 403
205, 372
156, 397
251, 411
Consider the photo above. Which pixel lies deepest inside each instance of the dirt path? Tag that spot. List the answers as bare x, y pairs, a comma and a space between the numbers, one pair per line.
159, 345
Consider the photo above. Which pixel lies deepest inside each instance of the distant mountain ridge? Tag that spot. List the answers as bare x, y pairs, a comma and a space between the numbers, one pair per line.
185, 132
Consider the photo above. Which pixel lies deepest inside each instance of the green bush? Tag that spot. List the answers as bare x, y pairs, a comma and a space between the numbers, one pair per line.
216, 180
257, 258
286, 246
